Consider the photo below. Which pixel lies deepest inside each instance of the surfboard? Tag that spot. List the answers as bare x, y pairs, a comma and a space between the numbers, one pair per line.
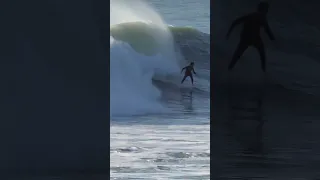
186, 85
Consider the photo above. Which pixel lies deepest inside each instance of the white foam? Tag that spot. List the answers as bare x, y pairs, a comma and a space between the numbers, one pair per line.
174, 151
131, 73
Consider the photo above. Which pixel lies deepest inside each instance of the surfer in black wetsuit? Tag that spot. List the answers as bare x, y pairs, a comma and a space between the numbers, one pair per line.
250, 35
188, 72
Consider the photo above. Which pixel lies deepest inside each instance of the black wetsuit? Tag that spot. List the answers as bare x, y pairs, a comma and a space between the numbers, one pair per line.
188, 72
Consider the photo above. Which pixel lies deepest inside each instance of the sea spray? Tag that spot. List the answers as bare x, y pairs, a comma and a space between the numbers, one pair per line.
131, 69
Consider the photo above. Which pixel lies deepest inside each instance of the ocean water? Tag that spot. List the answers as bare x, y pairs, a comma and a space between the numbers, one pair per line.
159, 128
266, 126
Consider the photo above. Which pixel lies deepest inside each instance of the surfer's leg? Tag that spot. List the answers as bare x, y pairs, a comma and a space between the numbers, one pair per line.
184, 78
260, 47
191, 77
242, 46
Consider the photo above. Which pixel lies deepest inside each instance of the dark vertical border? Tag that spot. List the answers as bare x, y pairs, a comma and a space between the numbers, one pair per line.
213, 172
211, 94
101, 10
49, 101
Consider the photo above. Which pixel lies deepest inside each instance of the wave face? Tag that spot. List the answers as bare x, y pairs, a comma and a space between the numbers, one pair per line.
292, 60
147, 56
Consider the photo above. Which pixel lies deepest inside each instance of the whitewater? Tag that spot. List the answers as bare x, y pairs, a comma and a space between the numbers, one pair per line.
159, 128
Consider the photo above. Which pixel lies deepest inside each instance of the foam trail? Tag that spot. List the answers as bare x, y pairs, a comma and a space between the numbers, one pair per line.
132, 91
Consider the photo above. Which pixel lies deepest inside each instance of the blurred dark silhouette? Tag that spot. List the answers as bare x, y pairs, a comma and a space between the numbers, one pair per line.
250, 35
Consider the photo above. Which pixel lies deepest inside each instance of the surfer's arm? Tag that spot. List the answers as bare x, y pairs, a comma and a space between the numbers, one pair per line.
194, 71
235, 23
183, 69
268, 30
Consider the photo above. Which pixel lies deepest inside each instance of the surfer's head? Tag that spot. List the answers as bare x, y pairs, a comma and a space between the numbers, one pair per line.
263, 7
192, 64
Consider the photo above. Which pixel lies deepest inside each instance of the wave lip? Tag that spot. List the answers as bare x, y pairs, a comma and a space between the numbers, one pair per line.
144, 38
139, 52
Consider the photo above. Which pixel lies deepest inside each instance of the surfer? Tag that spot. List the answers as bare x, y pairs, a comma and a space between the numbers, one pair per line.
188, 72
250, 35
